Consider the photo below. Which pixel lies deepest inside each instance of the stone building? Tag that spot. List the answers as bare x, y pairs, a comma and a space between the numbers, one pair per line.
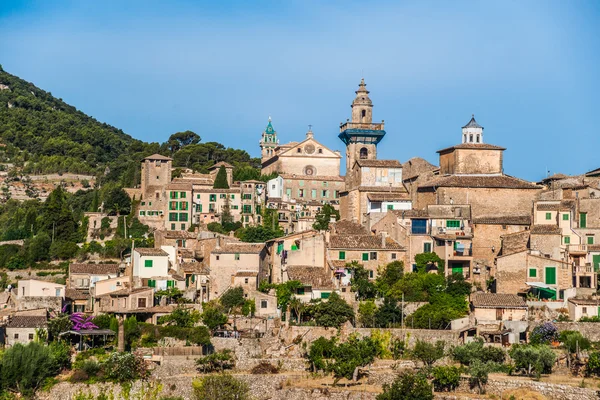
84, 276
230, 260
24, 328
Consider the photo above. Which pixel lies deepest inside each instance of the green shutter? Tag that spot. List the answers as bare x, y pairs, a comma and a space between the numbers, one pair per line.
170, 284
582, 220
148, 263
325, 295
365, 256
551, 275
567, 239
532, 272
426, 247
151, 283
457, 269
548, 216
596, 262
300, 291
565, 217
452, 224
590, 240
342, 255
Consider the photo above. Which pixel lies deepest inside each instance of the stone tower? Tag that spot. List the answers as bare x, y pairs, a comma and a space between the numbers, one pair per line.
361, 135
472, 132
268, 142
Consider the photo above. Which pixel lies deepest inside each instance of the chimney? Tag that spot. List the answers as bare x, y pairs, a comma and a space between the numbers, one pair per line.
383, 237
218, 246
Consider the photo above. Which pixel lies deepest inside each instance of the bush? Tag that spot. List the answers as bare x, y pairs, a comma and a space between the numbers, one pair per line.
25, 367
445, 378
544, 334
574, 341
60, 353
220, 387
592, 367
333, 312
78, 375
407, 386
181, 317
479, 372
216, 362
123, 367
428, 353
533, 359
90, 367
475, 350
320, 350
264, 368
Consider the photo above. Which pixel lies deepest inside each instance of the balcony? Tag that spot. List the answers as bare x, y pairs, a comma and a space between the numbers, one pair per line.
577, 249
581, 269
375, 126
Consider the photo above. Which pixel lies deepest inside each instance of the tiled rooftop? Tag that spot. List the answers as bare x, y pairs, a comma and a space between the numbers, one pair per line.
94, 269
497, 300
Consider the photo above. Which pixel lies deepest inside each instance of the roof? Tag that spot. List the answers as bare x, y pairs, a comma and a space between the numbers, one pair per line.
416, 166
363, 242
127, 292
28, 321
471, 146
585, 302
594, 172
194, 268
246, 273
504, 220
480, 181
347, 227
94, 269
514, 242
497, 300
555, 206
314, 177
396, 189
177, 234
149, 251
179, 186
472, 123
315, 277
241, 247
221, 164
75, 294
411, 213
88, 332
379, 163
545, 230
387, 196
158, 157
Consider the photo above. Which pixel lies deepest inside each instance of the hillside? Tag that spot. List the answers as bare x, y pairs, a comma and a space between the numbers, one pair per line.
45, 135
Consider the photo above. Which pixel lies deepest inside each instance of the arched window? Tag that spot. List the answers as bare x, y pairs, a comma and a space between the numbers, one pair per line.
465, 138
363, 114
477, 138
364, 153
471, 138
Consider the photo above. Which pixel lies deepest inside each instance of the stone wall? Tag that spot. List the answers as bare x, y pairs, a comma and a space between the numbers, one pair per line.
36, 302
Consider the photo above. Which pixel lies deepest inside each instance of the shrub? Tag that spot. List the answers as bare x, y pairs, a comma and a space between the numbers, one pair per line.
122, 367
544, 334
264, 368
592, 366
90, 367
220, 387
60, 353
479, 372
218, 361
78, 376
333, 312
428, 353
25, 367
407, 386
320, 350
533, 359
475, 350
574, 341
445, 378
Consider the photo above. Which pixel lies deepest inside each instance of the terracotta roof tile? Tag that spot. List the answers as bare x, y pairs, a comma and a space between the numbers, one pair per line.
149, 251
388, 196
313, 177
379, 163
585, 302
514, 243
480, 181
75, 294
555, 206
497, 300
195, 268
94, 269
241, 247
315, 277
504, 220
415, 167
346, 227
246, 273
179, 186
363, 242
28, 321
545, 230
473, 146
158, 157
178, 234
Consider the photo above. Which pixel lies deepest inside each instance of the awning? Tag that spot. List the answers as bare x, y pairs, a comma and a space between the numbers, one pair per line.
340, 272
540, 285
88, 332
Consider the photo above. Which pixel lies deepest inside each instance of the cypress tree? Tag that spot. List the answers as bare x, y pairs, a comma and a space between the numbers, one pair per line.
221, 179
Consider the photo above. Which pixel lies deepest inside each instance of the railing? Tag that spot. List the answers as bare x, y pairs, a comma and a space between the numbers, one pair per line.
465, 253
578, 269
577, 248
375, 126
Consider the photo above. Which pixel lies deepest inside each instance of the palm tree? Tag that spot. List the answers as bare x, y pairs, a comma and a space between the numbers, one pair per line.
297, 306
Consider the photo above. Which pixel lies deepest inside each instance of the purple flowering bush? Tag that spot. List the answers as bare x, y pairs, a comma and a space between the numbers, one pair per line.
545, 333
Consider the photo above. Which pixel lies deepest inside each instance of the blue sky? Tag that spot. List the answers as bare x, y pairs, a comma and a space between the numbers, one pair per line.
528, 70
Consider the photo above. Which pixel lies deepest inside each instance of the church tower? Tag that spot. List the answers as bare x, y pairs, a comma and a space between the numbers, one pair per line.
268, 142
472, 132
361, 135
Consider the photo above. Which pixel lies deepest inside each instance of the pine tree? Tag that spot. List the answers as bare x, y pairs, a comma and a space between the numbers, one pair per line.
221, 179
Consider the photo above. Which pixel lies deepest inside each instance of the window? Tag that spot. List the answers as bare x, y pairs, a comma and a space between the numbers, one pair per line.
57, 292
247, 209
325, 295
370, 274
264, 304
31, 336
365, 256
590, 240
325, 194
548, 216
247, 196
142, 213
151, 283
148, 263
364, 153
199, 208
393, 256
390, 206
300, 183
299, 150
313, 193
363, 113
452, 224
300, 192
16, 335
584, 309
342, 255
419, 226
288, 192
217, 257
373, 255
233, 196
532, 273
237, 257
174, 195
198, 196
172, 216
222, 196
183, 217
565, 217
426, 247
300, 291
246, 280
183, 227
567, 240
172, 227
212, 197
583, 220
550, 275
182, 195
141, 302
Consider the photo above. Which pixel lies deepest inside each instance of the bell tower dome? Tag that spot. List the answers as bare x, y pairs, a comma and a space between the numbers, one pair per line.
268, 142
472, 132
361, 135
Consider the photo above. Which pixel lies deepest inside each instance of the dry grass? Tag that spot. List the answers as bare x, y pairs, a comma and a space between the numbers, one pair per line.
522, 394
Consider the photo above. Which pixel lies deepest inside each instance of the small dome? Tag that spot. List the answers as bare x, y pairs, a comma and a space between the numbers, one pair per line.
472, 123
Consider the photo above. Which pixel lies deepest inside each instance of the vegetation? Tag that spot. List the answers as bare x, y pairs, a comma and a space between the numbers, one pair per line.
220, 387
428, 353
333, 312
181, 317
221, 179
545, 333
216, 362
533, 359
468, 353
324, 216
408, 386
446, 377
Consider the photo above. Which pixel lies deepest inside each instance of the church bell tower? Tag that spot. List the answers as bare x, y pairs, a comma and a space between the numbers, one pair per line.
268, 142
361, 135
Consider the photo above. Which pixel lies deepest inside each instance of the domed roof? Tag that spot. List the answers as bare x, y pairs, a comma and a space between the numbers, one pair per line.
269, 130
472, 123
362, 94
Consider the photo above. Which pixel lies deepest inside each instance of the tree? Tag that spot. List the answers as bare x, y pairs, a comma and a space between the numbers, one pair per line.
388, 276
364, 288
407, 386
181, 317
25, 367
470, 352
389, 314
216, 362
284, 293
426, 261
532, 359
479, 373
221, 179
366, 313
220, 387
428, 353
456, 285
297, 306
179, 140
233, 298
446, 377
212, 316
592, 367
320, 350
116, 201
350, 356
323, 218
257, 234
333, 312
